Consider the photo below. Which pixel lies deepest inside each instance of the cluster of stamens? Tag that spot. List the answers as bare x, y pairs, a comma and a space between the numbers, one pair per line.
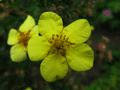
59, 43
24, 37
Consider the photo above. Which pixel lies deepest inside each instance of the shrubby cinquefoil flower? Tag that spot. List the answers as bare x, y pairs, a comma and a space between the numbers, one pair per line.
19, 39
60, 46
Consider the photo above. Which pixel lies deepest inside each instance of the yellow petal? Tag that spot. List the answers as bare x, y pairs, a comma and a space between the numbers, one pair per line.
12, 37
18, 53
53, 67
28, 88
34, 31
80, 58
78, 31
50, 23
28, 24
38, 48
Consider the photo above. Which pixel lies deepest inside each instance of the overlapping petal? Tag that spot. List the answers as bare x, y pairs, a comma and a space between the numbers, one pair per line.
80, 58
12, 37
54, 67
34, 31
50, 23
78, 31
28, 24
18, 53
38, 48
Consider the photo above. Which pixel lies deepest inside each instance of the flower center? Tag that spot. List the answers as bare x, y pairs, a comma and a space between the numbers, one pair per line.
24, 37
59, 43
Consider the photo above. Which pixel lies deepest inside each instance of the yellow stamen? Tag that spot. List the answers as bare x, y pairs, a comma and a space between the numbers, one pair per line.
24, 37
59, 43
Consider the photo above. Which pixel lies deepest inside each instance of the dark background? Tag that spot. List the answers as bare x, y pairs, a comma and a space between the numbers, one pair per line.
105, 40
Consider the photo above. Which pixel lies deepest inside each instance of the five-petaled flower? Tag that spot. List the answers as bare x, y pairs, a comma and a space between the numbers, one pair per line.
19, 39
61, 47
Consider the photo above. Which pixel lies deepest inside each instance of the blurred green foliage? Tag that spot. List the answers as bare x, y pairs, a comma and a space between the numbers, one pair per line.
103, 14
109, 81
113, 19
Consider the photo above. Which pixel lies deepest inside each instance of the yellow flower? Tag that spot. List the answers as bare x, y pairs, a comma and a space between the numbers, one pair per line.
19, 39
28, 88
61, 47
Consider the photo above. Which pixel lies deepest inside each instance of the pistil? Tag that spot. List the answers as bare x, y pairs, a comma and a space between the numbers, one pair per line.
59, 43
24, 37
